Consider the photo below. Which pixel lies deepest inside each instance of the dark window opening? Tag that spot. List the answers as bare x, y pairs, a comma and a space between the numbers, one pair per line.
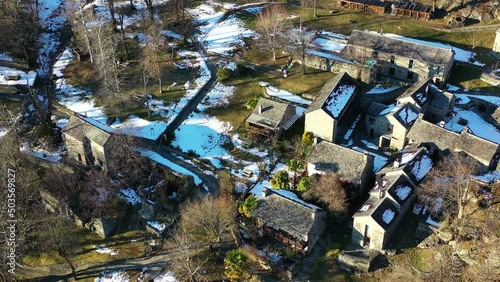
374, 54
392, 71
79, 158
371, 132
410, 64
392, 59
410, 75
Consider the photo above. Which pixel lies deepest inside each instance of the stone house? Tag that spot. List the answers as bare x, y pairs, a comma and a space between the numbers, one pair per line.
416, 95
293, 223
400, 59
326, 114
440, 104
88, 141
391, 123
353, 167
496, 45
270, 119
414, 164
377, 219
441, 140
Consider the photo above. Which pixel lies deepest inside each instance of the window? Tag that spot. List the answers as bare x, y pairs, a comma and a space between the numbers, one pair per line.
79, 158
392, 59
374, 54
410, 64
391, 71
410, 75
371, 120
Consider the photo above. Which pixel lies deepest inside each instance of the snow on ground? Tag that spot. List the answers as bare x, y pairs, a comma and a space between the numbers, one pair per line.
42, 154
285, 95
113, 276
105, 250
402, 192
436, 208
476, 124
169, 33
24, 78
205, 134
388, 216
166, 277
378, 161
460, 54
226, 36
3, 132
206, 16
159, 159
463, 99
5, 57
328, 45
156, 225
381, 89
348, 134
257, 188
218, 97
139, 127
52, 20
369, 144
129, 195
339, 99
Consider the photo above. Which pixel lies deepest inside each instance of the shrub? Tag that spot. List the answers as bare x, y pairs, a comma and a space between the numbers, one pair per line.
43, 130
280, 180
223, 74
304, 184
235, 263
307, 138
253, 102
248, 206
192, 153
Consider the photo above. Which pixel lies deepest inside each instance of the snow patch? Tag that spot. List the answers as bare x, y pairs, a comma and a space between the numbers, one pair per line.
388, 216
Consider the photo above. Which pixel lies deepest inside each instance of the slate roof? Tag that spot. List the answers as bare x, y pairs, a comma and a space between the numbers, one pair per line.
423, 131
412, 6
399, 47
274, 114
405, 115
375, 109
481, 149
415, 164
346, 162
325, 96
398, 187
80, 127
375, 208
418, 92
284, 214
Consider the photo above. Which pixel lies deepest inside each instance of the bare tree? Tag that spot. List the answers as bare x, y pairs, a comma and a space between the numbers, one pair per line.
329, 189
208, 220
111, 6
474, 38
272, 24
448, 182
79, 19
301, 38
149, 6
151, 61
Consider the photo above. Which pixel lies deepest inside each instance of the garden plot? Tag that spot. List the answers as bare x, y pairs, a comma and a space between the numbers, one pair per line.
477, 126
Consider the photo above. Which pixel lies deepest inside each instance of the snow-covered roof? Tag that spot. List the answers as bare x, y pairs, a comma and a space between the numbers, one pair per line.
10, 76
328, 45
406, 115
335, 95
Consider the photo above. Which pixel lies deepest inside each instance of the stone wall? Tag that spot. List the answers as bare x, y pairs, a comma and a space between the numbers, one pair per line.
321, 125
356, 71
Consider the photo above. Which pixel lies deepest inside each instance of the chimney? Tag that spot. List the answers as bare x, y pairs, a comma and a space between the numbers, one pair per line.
381, 193
421, 115
315, 140
265, 192
259, 109
434, 6
313, 214
366, 154
397, 162
442, 123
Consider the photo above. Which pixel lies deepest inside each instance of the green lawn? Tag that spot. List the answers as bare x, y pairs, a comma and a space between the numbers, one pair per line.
468, 77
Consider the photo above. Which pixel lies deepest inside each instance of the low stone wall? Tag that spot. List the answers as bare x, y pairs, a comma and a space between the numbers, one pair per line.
356, 71
490, 79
